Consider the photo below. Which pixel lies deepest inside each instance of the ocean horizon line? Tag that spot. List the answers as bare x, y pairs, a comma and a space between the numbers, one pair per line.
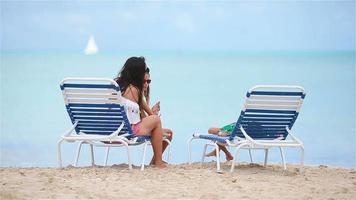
189, 52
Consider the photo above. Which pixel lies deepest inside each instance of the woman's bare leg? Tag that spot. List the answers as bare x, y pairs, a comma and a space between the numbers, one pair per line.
152, 124
169, 135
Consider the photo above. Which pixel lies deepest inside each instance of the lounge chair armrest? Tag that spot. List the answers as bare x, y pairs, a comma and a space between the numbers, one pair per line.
292, 136
116, 133
132, 141
67, 133
247, 136
229, 143
195, 135
239, 141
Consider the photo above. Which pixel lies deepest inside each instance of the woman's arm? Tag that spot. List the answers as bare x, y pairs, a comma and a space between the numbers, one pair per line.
146, 108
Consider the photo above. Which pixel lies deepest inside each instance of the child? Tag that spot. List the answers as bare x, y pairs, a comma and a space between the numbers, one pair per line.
224, 131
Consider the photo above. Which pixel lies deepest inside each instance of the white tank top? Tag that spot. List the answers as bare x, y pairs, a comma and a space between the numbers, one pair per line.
132, 110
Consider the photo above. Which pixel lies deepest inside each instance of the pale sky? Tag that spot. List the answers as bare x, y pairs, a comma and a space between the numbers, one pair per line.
179, 25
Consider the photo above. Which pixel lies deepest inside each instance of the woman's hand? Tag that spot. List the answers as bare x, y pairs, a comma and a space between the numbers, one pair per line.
156, 108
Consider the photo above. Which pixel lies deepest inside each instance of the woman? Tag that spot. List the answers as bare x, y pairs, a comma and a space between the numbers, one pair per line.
131, 81
155, 109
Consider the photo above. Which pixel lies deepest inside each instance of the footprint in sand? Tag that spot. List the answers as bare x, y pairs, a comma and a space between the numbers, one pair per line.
344, 190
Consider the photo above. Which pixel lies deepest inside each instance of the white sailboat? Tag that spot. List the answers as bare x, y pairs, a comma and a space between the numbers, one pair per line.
91, 47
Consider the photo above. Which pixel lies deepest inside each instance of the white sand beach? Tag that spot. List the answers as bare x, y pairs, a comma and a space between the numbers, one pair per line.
179, 182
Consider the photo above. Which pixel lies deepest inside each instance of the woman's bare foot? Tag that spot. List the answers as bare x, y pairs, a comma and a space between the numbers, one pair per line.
151, 163
161, 164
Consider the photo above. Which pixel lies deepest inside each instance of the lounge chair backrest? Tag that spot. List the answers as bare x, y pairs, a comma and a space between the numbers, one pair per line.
268, 111
95, 105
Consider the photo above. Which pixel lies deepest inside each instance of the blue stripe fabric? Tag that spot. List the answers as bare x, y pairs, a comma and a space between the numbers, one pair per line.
267, 123
98, 118
93, 110
86, 86
98, 133
143, 138
113, 123
82, 105
215, 138
102, 123
97, 113
102, 114
88, 125
262, 123
269, 111
274, 93
84, 129
102, 119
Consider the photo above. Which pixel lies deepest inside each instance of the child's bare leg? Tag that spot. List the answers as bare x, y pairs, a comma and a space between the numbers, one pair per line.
213, 152
227, 153
214, 131
224, 149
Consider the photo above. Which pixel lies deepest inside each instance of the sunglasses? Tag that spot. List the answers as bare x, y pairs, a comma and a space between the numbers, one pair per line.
147, 81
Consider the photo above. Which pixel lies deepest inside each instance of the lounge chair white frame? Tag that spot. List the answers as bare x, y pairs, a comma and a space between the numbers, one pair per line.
106, 93
262, 97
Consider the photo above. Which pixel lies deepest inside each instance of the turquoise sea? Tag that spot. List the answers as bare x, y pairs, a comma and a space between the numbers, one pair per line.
197, 90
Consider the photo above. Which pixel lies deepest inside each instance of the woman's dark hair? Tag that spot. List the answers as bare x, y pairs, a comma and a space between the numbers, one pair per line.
146, 93
132, 73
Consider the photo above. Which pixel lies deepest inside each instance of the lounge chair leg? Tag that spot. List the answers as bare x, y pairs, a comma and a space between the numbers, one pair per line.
234, 160
144, 156
301, 158
128, 155
169, 150
217, 157
235, 157
92, 155
266, 157
249, 151
78, 152
204, 152
233, 164
283, 160
107, 156
189, 151
59, 153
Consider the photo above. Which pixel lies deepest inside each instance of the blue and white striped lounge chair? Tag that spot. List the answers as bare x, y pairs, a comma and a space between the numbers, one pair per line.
98, 117
265, 121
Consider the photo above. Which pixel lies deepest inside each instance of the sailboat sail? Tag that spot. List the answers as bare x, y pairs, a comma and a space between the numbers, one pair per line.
91, 47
